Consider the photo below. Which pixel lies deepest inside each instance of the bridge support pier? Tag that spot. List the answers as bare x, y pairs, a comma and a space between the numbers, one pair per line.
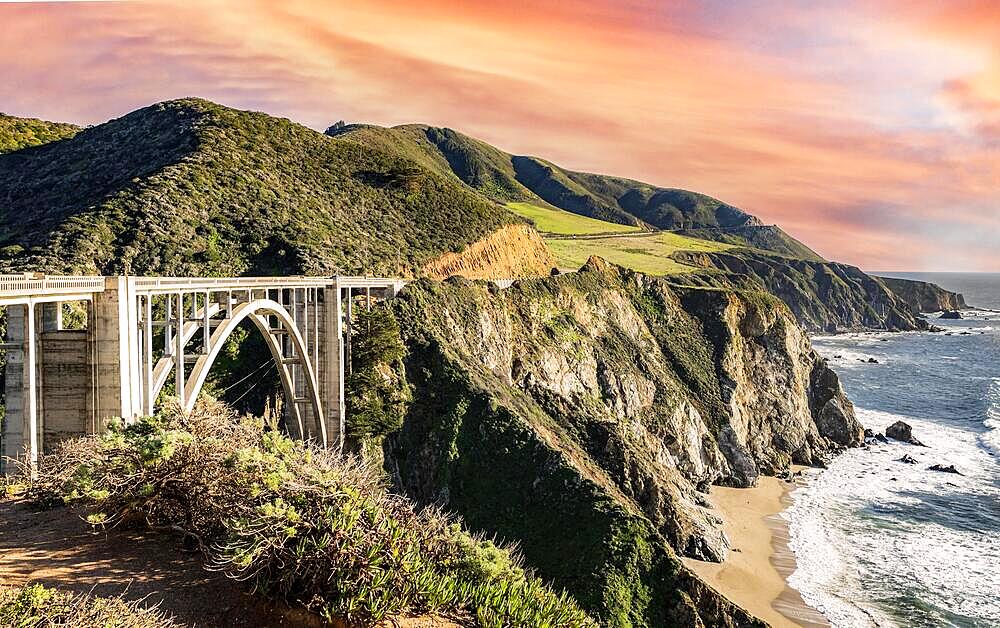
114, 338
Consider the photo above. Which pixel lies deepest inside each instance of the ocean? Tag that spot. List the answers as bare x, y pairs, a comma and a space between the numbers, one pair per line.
879, 542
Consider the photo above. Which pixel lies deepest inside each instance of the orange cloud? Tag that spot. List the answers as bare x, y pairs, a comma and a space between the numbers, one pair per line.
865, 136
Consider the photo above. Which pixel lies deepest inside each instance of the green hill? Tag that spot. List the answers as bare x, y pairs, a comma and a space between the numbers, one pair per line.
191, 187
18, 133
513, 178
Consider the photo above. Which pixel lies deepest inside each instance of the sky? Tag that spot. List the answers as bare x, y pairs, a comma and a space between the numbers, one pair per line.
868, 129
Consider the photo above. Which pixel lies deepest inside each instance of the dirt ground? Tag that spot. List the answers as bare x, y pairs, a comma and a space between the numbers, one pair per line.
58, 549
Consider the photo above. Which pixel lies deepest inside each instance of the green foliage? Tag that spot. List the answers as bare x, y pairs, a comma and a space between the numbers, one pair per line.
301, 524
18, 133
189, 187
374, 397
36, 606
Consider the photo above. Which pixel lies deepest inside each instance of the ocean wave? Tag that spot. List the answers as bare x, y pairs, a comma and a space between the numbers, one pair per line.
991, 438
879, 542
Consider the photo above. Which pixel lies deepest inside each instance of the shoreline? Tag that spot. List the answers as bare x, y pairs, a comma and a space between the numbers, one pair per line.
755, 574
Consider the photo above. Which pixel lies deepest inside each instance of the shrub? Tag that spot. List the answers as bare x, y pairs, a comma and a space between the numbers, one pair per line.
35, 606
375, 398
301, 524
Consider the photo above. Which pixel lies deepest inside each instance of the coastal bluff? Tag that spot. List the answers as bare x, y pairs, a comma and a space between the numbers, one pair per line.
584, 416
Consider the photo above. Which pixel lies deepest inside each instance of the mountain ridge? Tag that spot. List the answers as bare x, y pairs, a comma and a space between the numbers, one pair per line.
191, 187
506, 177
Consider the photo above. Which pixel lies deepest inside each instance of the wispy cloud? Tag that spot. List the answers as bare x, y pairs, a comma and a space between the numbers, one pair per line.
874, 139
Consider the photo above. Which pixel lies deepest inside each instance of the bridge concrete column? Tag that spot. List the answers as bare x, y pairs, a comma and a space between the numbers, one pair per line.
114, 332
18, 432
331, 371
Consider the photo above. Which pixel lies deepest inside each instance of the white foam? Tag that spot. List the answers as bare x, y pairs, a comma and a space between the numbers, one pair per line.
991, 438
851, 553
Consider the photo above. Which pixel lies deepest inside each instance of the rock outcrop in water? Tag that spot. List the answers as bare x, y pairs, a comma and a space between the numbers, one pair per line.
902, 432
579, 415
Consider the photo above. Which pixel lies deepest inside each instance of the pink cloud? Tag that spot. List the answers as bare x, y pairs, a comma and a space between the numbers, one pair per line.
860, 134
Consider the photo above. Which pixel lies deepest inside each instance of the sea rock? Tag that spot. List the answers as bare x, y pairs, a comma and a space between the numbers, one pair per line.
944, 469
872, 361
832, 411
902, 431
908, 459
950, 315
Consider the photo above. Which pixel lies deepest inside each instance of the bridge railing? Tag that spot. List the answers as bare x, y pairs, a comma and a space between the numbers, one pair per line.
175, 284
27, 285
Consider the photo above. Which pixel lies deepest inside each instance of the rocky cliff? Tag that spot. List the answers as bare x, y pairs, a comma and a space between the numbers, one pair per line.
510, 252
823, 296
581, 415
922, 296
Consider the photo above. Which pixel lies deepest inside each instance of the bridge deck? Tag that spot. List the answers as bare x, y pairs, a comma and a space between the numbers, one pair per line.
16, 289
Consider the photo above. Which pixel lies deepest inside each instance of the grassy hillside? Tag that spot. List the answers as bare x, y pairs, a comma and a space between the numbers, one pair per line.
550, 220
18, 133
191, 187
511, 178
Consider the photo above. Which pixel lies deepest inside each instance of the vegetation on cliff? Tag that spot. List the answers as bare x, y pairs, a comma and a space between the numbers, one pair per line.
375, 402
301, 524
36, 606
823, 296
19, 133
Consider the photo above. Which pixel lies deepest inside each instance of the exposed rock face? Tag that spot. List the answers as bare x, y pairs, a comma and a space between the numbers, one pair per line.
823, 296
510, 252
578, 414
922, 296
832, 411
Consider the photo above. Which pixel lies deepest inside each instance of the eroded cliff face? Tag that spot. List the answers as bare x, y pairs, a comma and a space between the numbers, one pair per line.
511, 252
823, 296
922, 296
580, 415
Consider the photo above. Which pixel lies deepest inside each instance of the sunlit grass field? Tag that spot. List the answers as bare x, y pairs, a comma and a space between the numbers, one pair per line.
644, 253
551, 220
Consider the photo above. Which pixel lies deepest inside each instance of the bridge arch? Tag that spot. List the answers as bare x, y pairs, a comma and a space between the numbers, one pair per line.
256, 311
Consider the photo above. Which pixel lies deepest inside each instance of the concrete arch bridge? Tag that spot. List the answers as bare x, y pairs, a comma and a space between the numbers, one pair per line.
142, 332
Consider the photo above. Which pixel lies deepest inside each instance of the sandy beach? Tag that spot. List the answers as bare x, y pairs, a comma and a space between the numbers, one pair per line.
754, 574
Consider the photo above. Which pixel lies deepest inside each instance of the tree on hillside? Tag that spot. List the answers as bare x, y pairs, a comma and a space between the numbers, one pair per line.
375, 397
